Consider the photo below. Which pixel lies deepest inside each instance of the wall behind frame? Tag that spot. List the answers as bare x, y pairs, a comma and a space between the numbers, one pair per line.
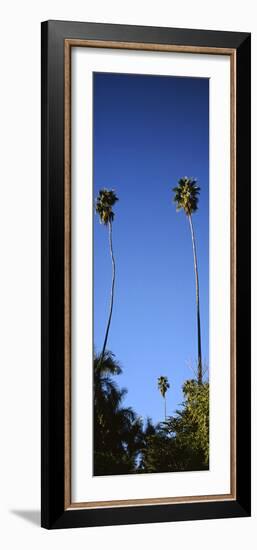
20, 274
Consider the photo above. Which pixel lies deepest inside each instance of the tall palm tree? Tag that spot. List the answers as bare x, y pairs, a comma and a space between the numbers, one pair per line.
104, 204
186, 198
163, 386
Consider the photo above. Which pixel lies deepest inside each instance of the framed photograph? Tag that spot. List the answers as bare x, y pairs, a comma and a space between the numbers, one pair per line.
145, 274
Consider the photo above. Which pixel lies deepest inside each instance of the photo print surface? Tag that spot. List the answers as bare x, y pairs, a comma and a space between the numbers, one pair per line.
150, 274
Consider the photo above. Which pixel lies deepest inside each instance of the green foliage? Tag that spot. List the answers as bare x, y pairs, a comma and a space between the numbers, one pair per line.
104, 203
123, 446
190, 425
117, 429
158, 453
163, 385
182, 442
197, 406
186, 195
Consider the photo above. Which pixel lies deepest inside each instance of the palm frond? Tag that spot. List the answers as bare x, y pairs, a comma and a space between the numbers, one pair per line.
186, 195
103, 205
163, 385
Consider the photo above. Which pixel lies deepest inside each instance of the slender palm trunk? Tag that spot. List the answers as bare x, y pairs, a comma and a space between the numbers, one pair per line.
165, 415
199, 364
112, 292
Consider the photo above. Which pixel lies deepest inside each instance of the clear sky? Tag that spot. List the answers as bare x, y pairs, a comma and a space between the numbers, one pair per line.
149, 131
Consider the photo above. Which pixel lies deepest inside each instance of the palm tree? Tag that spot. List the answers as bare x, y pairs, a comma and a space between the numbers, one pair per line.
104, 204
163, 386
118, 431
106, 392
186, 198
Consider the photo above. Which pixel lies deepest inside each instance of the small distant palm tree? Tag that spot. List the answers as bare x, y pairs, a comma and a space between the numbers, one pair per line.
163, 386
186, 198
104, 207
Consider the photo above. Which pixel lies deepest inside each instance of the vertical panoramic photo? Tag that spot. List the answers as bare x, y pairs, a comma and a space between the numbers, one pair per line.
151, 274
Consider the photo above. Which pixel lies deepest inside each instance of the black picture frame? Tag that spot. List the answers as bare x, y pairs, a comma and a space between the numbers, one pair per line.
54, 514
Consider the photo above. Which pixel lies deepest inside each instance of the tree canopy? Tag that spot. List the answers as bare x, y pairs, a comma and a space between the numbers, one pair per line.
123, 445
104, 202
117, 429
186, 195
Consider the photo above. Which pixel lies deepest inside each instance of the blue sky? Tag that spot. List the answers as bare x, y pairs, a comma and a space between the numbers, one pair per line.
148, 132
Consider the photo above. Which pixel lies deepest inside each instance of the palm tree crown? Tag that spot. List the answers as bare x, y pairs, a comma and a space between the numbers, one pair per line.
186, 195
163, 384
104, 203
